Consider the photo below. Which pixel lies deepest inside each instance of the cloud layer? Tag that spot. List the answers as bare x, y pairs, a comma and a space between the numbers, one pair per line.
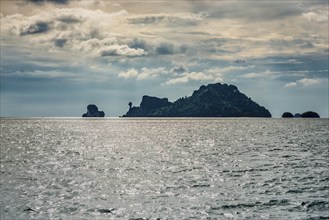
100, 33
156, 46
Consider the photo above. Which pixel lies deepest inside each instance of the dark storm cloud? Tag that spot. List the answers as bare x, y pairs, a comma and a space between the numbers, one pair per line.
36, 28
179, 19
60, 42
239, 61
51, 1
164, 49
178, 70
222, 45
138, 44
169, 48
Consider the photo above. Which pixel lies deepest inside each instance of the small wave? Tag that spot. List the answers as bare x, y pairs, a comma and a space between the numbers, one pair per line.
317, 218
251, 205
182, 171
245, 170
102, 210
241, 205
201, 185
326, 179
105, 210
317, 206
138, 218
176, 187
276, 202
293, 191
275, 149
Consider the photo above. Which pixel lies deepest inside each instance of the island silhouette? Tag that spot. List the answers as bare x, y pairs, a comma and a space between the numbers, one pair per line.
213, 100
92, 111
308, 114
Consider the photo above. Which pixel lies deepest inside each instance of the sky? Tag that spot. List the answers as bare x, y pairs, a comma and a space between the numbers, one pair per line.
58, 56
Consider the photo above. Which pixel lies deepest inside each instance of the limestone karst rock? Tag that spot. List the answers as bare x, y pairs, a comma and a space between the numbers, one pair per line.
92, 111
213, 100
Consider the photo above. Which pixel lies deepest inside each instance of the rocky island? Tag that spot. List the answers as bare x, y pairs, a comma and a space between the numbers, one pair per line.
92, 111
213, 100
287, 115
308, 114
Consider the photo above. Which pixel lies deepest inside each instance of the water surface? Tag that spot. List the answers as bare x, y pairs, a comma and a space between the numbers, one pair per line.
164, 169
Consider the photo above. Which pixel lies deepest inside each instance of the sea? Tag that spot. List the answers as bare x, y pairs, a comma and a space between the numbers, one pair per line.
164, 168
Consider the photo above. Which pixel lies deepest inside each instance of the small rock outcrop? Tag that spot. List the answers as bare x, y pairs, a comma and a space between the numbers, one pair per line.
92, 111
287, 115
297, 115
310, 114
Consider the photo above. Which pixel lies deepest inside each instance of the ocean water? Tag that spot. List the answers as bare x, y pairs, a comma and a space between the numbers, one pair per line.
164, 168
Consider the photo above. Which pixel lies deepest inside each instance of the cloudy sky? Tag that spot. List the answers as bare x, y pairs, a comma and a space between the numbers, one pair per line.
57, 56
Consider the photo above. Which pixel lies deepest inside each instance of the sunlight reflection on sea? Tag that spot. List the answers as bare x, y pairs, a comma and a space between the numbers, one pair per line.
164, 168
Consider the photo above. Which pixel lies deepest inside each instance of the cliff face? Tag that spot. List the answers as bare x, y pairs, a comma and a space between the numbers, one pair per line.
150, 104
213, 100
148, 107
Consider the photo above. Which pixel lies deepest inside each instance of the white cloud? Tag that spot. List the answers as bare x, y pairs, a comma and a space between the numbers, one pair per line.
267, 74
75, 28
193, 76
120, 50
94, 32
184, 77
157, 28
291, 84
131, 73
220, 70
252, 75
144, 73
216, 74
147, 73
108, 47
308, 81
237, 68
303, 82
321, 16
